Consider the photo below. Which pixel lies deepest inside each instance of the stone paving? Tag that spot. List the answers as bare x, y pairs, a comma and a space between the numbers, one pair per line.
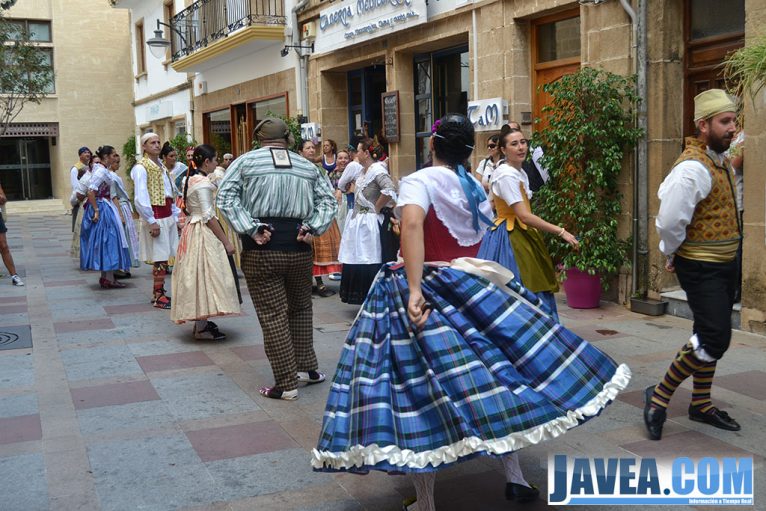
116, 408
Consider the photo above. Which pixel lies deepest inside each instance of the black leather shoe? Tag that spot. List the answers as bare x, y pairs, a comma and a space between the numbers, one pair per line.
521, 493
654, 416
714, 417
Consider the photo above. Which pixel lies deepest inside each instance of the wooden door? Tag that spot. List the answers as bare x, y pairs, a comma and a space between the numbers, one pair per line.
543, 99
555, 53
710, 35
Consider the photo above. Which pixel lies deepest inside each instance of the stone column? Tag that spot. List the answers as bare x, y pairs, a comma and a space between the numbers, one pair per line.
753, 314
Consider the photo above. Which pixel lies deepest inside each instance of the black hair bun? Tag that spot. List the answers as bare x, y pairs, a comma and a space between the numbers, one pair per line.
454, 139
377, 152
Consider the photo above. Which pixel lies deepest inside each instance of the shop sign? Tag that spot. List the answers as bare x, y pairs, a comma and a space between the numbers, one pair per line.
309, 130
353, 21
488, 114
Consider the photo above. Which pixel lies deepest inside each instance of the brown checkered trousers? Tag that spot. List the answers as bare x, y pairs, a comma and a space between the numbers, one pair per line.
280, 286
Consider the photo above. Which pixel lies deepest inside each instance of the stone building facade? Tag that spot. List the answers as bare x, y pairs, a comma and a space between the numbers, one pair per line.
90, 101
443, 55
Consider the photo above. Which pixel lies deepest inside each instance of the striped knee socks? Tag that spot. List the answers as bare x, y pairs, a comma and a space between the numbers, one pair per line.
684, 365
703, 380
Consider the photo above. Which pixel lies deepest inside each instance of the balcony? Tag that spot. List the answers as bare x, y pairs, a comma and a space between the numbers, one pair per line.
208, 28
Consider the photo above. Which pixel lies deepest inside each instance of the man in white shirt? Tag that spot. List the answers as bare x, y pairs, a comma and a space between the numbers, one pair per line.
154, 203
700, 231
75, 173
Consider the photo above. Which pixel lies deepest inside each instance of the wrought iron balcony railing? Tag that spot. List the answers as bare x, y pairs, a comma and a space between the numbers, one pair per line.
207, 21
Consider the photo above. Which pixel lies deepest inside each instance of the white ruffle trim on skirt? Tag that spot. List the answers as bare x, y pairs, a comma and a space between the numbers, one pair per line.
360, 455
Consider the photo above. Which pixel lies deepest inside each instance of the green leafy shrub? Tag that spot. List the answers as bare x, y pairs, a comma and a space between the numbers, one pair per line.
745, 69
591, 126
128, 158
181, 141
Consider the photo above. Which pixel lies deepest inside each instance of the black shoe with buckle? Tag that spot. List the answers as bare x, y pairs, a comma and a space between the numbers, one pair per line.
714, 417
654, 416
521, 493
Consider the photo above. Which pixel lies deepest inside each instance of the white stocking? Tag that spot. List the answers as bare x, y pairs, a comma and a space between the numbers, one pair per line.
424, 490
513, 473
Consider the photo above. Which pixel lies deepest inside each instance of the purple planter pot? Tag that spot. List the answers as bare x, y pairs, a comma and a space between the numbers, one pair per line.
583, 291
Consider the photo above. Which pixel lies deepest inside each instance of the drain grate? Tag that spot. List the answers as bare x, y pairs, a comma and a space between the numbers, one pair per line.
15, 337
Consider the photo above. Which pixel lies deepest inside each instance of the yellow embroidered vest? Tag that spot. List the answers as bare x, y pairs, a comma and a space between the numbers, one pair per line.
714, 231
80, 166
154, 182
505, 212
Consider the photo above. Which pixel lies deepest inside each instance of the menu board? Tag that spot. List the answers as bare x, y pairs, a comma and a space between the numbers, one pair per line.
390, 101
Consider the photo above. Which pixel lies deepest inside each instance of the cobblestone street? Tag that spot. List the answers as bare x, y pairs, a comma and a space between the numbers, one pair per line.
117, 408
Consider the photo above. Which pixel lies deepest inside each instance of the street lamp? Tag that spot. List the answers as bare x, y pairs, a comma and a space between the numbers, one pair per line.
158, 44
286, 50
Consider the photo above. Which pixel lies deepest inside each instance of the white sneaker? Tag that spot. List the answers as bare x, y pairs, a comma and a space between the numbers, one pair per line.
17, 280
334, 276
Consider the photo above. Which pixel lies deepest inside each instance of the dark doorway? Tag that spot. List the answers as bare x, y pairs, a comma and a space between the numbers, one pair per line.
364, 107
441, 87
25, 168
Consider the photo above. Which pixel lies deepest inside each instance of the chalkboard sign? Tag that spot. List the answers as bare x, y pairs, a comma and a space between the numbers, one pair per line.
390, 101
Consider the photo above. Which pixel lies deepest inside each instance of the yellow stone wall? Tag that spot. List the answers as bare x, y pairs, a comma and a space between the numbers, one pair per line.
92, 103
505, 69
754, 264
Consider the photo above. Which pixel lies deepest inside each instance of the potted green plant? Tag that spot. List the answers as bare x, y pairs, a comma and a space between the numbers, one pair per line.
590, 128
745, 69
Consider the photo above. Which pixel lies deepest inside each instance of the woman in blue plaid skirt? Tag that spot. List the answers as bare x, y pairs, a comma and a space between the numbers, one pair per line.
450, 361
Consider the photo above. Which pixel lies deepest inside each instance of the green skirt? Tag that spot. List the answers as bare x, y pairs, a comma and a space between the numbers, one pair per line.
535, 264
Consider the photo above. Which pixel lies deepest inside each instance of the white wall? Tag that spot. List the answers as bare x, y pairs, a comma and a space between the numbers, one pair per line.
172, 105
248, 63
158, 77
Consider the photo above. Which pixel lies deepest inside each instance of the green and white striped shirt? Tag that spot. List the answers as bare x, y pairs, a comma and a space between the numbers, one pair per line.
254, 188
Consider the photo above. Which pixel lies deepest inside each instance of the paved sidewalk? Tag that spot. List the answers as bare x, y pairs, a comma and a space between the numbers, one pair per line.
117, 408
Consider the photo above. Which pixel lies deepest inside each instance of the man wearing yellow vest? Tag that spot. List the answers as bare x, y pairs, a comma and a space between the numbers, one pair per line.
154, 201
700, 231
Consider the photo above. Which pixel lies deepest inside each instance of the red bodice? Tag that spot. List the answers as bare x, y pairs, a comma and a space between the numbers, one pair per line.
439, 243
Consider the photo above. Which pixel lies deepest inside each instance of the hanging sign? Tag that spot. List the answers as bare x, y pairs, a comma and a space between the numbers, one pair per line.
488, 114
353, 21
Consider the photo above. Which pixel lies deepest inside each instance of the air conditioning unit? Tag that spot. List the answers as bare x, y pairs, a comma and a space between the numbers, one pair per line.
309, 30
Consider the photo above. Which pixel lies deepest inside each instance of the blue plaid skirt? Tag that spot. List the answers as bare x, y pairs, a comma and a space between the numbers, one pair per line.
489, 373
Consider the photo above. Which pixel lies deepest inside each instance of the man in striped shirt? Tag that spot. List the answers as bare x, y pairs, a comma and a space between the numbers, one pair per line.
277, 200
